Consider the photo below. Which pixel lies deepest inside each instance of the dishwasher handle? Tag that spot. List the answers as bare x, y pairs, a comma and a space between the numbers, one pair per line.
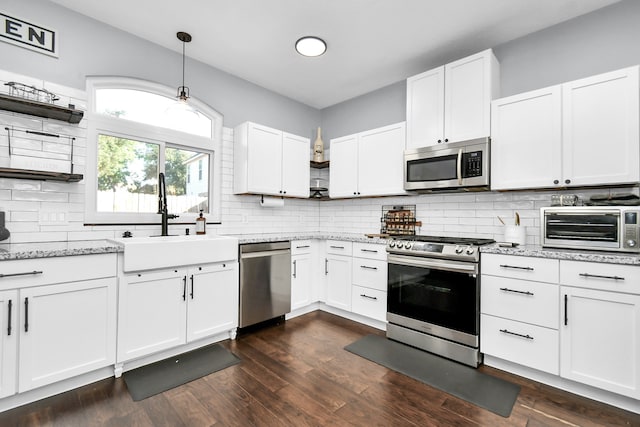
263, 254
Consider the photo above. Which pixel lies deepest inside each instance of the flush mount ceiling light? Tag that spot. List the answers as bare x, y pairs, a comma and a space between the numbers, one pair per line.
311, 46
183, 91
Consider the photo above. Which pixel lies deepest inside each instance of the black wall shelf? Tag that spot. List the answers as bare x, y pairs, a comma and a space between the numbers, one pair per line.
40, 109
40, 175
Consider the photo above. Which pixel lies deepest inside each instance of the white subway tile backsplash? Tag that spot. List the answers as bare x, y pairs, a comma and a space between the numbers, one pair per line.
41, 196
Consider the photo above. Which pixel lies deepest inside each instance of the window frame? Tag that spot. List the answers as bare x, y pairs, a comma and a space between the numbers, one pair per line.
98, 123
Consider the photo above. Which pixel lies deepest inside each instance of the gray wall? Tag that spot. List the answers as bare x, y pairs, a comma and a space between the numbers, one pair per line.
604, 40
88, 47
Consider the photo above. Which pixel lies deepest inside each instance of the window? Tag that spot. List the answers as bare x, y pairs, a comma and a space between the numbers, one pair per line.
134, 134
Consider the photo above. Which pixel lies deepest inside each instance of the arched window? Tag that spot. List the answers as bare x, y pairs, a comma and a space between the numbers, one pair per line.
136, 130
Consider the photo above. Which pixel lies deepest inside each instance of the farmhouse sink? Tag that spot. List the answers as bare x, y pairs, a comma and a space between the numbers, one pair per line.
146, 253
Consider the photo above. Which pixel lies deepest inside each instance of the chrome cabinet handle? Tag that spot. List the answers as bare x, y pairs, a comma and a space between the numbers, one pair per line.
20, 274
295, 262
517, 292
516, 267
336, 247
597, 276
369, 250
368, 268
303, 247
367, 296
505, 331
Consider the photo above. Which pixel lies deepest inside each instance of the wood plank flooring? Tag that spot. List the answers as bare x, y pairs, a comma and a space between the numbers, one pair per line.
298, 374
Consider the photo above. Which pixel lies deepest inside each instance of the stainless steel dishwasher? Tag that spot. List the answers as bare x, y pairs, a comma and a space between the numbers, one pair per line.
265, 281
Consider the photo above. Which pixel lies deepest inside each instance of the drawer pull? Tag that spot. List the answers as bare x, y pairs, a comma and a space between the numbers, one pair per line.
369, 250
20, 274
505, 331
367, 296
336, 247
597, 276
517, 292
368, 268
303, 247
516, 267
9, 307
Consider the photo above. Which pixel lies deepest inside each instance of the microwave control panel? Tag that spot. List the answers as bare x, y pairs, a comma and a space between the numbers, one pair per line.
472, 164
631, 229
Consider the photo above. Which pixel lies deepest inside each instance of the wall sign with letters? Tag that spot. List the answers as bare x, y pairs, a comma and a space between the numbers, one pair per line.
27, 35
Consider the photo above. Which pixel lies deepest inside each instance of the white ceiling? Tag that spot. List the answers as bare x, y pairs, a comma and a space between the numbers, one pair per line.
371, 43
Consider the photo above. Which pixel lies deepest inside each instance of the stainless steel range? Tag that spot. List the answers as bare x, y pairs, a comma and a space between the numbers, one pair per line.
433, 299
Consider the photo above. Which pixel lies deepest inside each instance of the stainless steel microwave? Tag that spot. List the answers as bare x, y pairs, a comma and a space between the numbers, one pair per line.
452, 166
605, 228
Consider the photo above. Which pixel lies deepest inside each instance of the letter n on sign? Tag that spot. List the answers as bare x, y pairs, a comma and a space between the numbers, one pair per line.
27, 35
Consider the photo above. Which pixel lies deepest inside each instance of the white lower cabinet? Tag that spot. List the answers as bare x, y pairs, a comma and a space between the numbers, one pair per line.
337, 270
58, 321
369, 286
301, 274
159, 310
599, 333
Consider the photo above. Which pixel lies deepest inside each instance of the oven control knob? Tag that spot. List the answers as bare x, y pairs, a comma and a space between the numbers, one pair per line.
399, 245
407, 245
469, 250
392, 244
631, 243
459, 249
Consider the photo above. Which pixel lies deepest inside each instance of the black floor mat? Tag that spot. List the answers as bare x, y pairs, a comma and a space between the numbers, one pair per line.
486, 391
166, 374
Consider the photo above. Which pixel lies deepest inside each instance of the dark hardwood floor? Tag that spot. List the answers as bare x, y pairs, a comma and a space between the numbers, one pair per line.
298, 374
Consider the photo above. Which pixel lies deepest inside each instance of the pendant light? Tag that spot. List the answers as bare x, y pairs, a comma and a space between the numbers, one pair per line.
183, 91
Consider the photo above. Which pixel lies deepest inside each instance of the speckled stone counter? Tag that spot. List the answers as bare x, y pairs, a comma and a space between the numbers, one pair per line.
569, 254
10, 251
273, 237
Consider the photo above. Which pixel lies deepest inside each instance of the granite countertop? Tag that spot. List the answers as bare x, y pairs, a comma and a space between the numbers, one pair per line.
273, 237
9, 251
568, 254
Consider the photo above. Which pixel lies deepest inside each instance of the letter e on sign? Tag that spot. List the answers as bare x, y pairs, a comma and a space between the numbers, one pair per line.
30, 36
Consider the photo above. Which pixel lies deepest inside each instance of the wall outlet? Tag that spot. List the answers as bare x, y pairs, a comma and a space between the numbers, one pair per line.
52, 218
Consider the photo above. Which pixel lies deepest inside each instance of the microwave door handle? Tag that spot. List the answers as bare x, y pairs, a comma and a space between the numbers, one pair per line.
459, 166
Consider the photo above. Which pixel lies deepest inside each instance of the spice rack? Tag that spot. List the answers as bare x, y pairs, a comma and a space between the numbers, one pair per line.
399, 220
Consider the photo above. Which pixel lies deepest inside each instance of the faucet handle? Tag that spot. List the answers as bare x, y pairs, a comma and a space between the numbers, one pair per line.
172, 216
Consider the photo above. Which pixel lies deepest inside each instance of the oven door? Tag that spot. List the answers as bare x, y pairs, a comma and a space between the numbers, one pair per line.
439, 297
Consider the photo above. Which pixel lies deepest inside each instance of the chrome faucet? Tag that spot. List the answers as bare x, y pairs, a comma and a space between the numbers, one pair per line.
162, 205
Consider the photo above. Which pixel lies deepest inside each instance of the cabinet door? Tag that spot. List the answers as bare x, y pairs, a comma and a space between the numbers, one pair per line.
9, 329
301, 280
468, 93
152, 310
264, 156
343, 173
212, 296
600, 129
425, 108
338, 276
381, 161
599, 340
295, 166
66, 330
526, 140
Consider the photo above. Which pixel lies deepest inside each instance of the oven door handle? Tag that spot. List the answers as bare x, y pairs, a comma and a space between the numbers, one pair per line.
462, 267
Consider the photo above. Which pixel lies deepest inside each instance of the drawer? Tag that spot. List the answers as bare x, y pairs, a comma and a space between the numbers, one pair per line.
370, 250
45, 271
299, 247
520, 267
606, 277
369, 302
521, 300
370, 273
338, 247
528, 345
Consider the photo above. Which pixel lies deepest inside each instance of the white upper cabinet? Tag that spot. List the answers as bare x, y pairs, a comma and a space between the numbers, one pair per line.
453, 102
600, 129
576, 134
368, 163
269, 161
526, 139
